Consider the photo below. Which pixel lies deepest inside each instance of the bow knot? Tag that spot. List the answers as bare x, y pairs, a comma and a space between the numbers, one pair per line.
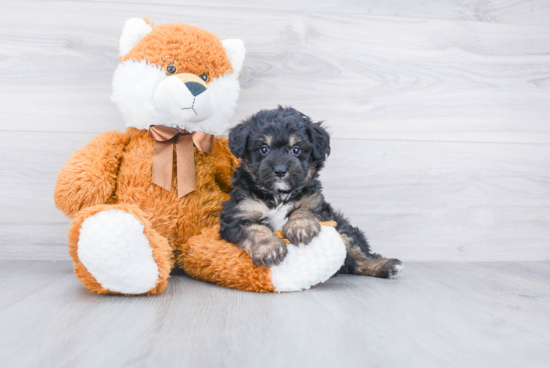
165, 139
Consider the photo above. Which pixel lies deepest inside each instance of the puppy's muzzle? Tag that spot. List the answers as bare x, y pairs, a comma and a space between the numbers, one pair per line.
186, 97
280, 171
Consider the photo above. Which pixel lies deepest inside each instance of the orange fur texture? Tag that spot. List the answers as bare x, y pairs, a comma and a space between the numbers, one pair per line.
207, 257
162, 250
113, 171
189, 49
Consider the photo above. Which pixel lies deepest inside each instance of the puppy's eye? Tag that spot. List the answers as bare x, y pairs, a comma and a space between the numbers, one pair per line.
264, 150
171, 69
204, 77
296, 150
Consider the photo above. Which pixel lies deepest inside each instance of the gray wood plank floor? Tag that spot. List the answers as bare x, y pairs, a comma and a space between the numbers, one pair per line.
435, 315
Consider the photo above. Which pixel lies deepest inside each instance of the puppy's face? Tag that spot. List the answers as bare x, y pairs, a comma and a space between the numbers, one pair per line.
281, 149
278, 159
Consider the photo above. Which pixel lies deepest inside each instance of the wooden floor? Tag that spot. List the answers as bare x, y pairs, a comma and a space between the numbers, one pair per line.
440, 118
436, 315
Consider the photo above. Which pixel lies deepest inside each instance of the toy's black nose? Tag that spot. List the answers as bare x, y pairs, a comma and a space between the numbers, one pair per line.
195, 88
280, 171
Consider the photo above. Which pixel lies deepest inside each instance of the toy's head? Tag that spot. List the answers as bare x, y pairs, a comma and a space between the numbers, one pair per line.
176, 75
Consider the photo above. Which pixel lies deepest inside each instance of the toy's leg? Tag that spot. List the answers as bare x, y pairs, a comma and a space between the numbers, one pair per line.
116, 250
208, 258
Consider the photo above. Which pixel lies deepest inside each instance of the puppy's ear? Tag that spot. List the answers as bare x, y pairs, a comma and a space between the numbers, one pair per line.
320, 140
238, 138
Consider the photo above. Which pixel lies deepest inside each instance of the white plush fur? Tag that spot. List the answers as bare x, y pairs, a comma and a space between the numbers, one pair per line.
134, 30
234, 48
114, 249
308, 265
134, 86
112, 245
173, 96
305, 265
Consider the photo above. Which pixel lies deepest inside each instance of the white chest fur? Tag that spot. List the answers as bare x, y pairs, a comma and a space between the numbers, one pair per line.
277, 216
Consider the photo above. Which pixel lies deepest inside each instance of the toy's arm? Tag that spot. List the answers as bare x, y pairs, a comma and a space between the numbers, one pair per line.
225, 163
88, 178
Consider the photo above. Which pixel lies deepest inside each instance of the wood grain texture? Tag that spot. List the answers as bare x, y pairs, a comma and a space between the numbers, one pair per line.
34, 241
445, 201
368, 77
434, 315
18, 280
416, 201
494, 11
404, 87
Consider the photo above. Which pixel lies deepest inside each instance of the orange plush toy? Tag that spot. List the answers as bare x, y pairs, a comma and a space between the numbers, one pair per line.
147, 200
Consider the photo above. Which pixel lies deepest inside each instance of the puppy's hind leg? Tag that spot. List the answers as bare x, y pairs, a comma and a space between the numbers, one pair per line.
375, 265
360, 261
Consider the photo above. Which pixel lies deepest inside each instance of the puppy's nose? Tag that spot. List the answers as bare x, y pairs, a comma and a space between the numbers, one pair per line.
195, 88
280, 171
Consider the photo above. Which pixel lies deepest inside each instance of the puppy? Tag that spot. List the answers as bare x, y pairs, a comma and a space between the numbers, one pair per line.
277, 187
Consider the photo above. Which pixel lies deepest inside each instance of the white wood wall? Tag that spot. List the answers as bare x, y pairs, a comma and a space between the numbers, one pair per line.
439, 111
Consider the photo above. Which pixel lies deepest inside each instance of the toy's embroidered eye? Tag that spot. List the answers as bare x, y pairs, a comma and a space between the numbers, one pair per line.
171, 69
296, 150
264, 150
204, 77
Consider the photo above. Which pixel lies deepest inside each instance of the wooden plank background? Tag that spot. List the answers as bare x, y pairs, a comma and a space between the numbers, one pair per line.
439, 111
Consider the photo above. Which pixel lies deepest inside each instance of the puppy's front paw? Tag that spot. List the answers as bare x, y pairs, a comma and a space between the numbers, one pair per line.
268, 252
301, 227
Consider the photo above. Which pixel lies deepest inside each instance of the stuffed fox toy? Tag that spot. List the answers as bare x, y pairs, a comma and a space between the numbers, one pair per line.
147, 200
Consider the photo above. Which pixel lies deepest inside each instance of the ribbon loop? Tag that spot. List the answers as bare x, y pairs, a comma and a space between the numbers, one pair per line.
162, 133
165, 139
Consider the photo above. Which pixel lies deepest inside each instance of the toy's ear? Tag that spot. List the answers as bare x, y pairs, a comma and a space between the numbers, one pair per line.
234, 48
134, 30
321, 141
238, 138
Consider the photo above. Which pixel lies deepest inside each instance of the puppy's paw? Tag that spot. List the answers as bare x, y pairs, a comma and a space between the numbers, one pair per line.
268, 252
301, 227
391, 268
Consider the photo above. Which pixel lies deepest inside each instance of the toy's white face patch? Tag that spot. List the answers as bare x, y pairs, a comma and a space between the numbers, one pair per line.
147, 96
189, 101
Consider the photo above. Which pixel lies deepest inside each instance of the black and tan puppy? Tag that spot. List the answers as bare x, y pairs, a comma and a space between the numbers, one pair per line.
277, 188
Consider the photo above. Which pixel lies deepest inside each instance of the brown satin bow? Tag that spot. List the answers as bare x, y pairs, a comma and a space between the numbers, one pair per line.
165, 138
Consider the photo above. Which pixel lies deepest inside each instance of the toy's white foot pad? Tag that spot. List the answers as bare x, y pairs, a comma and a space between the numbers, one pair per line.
115, 251
310, 264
